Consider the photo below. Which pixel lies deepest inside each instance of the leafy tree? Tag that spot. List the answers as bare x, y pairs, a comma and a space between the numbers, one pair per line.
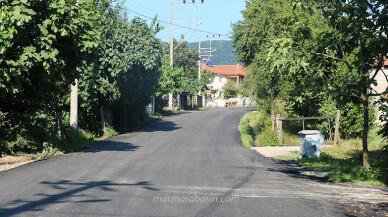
187, 59
172, 79
124, 70
315, 51
42, 44
230, 89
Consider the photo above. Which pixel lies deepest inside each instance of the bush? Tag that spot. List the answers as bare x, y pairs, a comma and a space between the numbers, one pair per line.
268, 137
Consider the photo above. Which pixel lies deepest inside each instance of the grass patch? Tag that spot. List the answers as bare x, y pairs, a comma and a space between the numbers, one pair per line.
246, 131
267, 137
346, 163
345, 169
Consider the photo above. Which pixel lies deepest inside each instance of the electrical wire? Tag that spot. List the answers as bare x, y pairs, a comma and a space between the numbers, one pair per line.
185, 27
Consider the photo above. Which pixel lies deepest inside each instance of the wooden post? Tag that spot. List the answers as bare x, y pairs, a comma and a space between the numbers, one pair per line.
273, 119
61, 127
280, 133
303, 122
153, 105
280, 130
336, 131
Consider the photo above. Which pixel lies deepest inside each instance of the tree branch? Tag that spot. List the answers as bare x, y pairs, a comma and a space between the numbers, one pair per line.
374, 94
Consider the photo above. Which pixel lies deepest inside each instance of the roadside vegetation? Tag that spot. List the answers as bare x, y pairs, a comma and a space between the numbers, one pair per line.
344, 162
316, 57
310, 59
119, 64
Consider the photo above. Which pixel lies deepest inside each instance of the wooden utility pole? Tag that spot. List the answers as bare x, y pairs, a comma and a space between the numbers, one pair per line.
336, 131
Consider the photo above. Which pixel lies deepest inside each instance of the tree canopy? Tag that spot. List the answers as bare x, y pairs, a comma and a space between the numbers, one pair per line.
312, 54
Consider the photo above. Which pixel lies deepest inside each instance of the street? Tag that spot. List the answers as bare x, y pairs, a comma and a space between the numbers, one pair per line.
187, 164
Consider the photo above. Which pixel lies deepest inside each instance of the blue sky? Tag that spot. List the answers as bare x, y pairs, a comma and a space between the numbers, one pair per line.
216, 16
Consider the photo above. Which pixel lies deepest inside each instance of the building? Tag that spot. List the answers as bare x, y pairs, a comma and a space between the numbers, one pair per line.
222, 74
380, 78
381, 85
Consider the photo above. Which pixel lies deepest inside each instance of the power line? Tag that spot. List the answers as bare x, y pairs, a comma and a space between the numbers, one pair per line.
185, 27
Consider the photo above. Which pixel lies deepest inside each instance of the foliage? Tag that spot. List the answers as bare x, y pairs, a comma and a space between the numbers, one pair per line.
42, 44
187, 59
230, 89
172, 79
206, 78
46, 45
246, 131
308, 52
267, 137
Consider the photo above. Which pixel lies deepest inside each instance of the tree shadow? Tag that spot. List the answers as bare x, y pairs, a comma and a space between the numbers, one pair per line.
160, 125
286, 167
109, 145
70, 191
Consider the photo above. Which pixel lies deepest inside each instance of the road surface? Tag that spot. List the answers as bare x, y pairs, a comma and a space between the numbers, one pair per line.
188, 164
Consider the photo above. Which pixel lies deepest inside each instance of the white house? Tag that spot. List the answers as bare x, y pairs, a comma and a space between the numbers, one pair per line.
222, 74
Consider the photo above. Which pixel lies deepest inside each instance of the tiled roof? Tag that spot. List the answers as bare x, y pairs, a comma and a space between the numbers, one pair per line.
227, 70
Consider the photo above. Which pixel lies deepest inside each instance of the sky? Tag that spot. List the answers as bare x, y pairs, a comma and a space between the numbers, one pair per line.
215, 17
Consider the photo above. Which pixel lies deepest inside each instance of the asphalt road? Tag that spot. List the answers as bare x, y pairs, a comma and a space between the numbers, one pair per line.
188, 164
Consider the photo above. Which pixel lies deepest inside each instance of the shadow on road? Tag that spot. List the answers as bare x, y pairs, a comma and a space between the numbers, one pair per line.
70, 194
108, 145
295, 172
160, 125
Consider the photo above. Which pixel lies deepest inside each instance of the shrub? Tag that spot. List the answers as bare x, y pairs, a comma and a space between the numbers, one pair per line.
247, 132
267, 137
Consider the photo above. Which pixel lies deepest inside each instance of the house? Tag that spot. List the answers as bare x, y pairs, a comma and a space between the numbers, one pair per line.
222, 74
381, 85
380, 78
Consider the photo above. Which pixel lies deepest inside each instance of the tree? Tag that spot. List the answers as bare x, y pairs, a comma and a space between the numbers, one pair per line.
230, 89
187, 59
42, 44
322, 50
124, 72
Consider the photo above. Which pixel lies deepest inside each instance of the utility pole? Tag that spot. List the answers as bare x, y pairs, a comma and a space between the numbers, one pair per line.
199, 66
74, 105
171, 51
172, 44
74, 100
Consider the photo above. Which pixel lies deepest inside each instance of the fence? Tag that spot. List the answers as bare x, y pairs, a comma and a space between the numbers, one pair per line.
279, 124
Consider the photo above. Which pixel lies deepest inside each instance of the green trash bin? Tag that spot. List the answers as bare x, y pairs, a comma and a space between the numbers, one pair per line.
311, 142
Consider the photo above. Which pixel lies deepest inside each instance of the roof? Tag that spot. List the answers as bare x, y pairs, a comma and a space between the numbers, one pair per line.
227, 70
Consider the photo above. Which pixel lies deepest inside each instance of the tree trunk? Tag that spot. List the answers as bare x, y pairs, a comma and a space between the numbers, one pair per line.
365, 152
273, 119
103, 123
61, 127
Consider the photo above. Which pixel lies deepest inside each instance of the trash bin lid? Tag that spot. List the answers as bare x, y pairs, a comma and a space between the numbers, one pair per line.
310, 132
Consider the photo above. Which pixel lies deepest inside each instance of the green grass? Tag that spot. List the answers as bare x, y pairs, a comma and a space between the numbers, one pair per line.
345, 162
246, 131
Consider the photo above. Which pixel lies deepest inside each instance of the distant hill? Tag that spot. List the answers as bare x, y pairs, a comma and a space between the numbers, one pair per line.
223, 55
